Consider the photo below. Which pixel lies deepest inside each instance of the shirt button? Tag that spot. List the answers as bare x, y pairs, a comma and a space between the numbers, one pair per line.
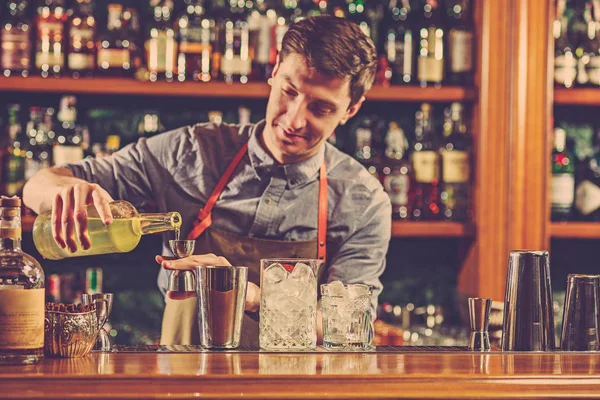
268, 201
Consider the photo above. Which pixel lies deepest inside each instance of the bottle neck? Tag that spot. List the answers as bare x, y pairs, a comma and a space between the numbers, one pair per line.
160, 222
10, 228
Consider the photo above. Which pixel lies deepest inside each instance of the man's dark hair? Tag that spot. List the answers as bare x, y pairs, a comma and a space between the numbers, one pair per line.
334, 47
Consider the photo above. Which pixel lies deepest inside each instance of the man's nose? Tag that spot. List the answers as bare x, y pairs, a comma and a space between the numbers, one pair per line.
296, 115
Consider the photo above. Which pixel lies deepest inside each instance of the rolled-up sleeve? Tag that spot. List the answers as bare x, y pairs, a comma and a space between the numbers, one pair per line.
135, 172
361, 258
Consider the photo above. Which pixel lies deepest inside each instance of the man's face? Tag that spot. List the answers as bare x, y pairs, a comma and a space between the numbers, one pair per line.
304, 109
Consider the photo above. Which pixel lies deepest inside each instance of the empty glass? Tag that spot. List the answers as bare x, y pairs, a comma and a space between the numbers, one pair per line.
581, 317
288, 304
103, 302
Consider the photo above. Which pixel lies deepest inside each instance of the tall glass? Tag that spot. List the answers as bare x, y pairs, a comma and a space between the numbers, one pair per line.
581, 318
288, 304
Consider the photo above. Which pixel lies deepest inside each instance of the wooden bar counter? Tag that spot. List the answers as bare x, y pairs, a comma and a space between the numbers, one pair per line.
385, 375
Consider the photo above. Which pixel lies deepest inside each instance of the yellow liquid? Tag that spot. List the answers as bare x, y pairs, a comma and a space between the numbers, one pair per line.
121, 236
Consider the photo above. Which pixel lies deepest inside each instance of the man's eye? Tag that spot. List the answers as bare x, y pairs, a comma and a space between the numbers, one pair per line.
288, 92
322, 111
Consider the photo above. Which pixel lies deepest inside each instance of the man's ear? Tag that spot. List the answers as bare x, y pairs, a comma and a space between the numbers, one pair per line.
352, 110
276, 67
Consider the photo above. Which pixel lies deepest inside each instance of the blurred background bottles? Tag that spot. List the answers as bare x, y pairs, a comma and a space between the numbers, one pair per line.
15, 39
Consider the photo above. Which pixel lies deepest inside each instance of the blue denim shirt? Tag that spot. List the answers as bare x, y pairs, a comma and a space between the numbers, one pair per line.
177, 170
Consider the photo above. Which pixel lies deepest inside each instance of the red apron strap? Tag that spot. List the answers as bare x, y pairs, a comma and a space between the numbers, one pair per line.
322, 223
204, 216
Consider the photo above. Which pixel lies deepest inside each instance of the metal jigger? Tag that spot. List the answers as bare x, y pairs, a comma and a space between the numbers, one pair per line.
479, 319
182, 281
104, 303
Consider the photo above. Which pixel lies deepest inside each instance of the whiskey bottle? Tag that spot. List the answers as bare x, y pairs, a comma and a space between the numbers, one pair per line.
15, 38
565, 63
68, 147
21, 292
425, 161
431, 52
194, 30
81, 57
396, 172
400, 43
456, 166
563, 179
114, 46
161, 44
51, 40
236, 64
460, 42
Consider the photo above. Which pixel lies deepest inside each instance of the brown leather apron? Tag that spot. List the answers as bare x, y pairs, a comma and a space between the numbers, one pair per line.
180, 318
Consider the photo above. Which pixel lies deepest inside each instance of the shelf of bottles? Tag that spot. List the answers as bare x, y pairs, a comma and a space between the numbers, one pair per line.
575, 164
227, 48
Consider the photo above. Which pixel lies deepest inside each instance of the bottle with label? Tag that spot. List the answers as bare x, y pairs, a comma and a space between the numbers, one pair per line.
456, 166
161, 43
68, 147
425, 161
431, 52
15, 38
400, 42
278, 30
114, 46
587, 192
22, 292
395, 172
565, 62
131, 23
563, 179
261, 20
236, 64
51, 39
81, 57
194, 30
13, 158
121, 236
591, 45
460, 42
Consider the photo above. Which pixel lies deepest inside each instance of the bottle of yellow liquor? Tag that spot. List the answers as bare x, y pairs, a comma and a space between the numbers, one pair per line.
21, 292
121, 236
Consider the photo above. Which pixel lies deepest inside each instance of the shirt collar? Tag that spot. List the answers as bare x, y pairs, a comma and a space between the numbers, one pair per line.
263, 164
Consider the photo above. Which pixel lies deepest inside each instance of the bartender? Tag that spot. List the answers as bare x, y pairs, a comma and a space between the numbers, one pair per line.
246, 192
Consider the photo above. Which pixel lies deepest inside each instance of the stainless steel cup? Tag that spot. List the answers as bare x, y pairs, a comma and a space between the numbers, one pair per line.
104, 303
479, 319
221, 293
581, 317
528, 319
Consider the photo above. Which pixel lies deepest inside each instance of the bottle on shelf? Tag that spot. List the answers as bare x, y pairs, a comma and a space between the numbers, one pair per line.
456, 166
431, 52
131, 23
68, 146
563, 178
114, 57
587, 192
81, 56
121, 236
401, 39
22, 292
396, 172
591, 45
261, 21
366, 137
13, 157
578, 26
460, 42
194, 30
51, 40
15, 39
38, 152
161, 44
425, 161
565, 61
236, 63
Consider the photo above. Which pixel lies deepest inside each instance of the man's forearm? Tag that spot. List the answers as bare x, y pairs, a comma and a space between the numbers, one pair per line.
42, 188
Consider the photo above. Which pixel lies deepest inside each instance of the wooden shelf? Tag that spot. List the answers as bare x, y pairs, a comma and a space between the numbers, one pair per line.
577, 96
116, 86
575, 230
431, 229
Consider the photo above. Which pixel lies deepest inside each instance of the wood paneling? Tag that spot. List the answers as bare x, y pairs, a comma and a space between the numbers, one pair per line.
412, 375
432, 229
579, 96
255, 90
575, 230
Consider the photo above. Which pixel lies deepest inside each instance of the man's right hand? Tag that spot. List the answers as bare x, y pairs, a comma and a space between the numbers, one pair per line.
69, 214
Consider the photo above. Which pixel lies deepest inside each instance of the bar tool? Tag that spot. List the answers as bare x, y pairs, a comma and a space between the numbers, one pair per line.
104, 303
182, 281
528, 323
479, 319
581, 317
